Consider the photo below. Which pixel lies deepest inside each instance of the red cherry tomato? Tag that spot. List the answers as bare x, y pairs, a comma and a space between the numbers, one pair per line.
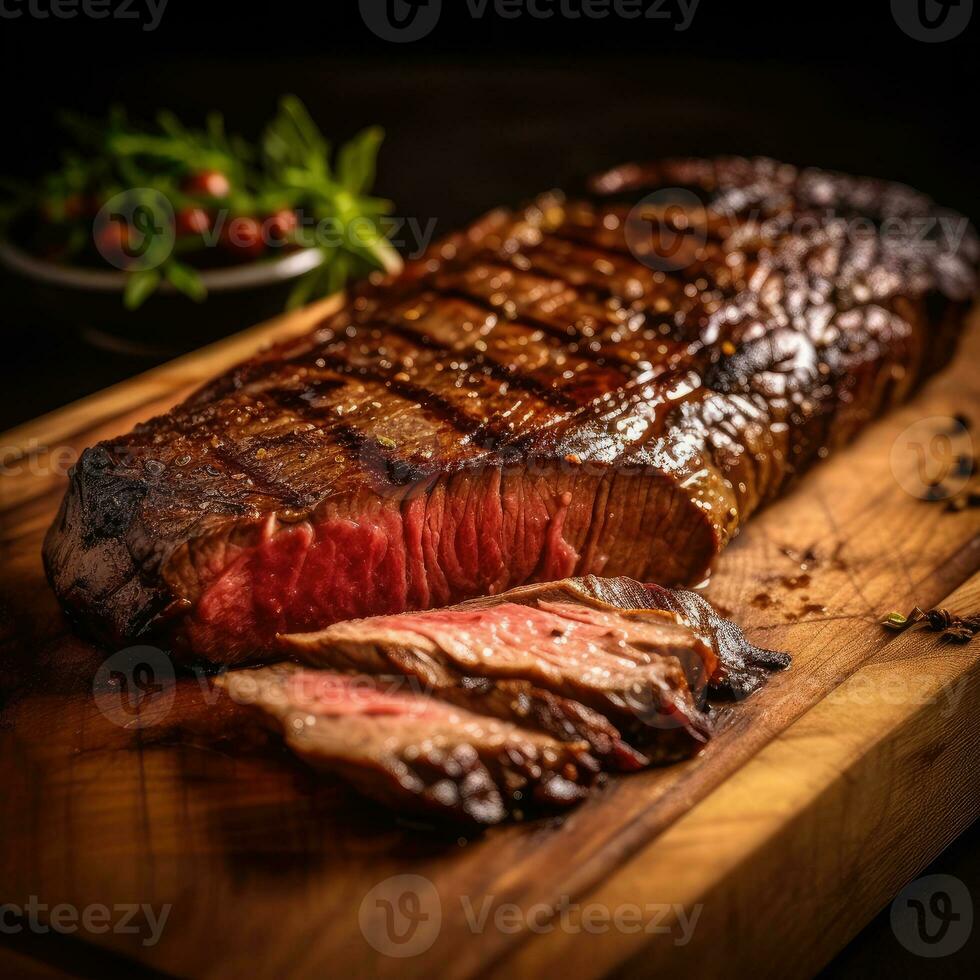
281, 224
112, 241
68, 208
74, 206
243, 237
207, 183
192, 221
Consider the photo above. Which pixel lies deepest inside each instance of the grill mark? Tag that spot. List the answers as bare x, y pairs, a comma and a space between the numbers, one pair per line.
427, 399
477, 433
610, 359
584, 239
406, 389
492, 256
591, 281
290, 402
581, 412
507, 263
510, 375
598, 253
599, 289
489, 366
380, 319
382, 462
482, 432
266, 484
343, 435
681, 279
663, 324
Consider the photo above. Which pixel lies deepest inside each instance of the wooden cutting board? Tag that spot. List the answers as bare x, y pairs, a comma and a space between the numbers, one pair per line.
821, 797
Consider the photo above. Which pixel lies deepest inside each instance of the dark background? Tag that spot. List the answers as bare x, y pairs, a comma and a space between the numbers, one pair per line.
490, 111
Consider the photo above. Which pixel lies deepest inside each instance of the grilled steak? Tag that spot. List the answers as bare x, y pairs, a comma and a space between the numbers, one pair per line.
545, 394
413, 752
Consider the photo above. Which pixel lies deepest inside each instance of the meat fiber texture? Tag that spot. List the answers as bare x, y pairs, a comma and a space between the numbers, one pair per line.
543, 395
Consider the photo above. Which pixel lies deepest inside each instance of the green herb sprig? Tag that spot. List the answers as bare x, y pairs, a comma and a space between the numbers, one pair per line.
291, 172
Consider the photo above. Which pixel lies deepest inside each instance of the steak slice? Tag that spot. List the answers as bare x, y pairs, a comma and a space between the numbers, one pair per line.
528, 706
638, 667
741, 666
735, 667
412, 752
668, 648
549, 393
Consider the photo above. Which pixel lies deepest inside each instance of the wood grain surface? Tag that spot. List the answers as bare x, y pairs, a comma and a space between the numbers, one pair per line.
820, 797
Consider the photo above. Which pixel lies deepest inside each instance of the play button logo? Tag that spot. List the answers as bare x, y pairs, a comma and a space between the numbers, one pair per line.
401, 21
932, 20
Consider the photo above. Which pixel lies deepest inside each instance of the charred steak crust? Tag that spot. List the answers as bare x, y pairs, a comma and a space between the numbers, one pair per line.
526, 402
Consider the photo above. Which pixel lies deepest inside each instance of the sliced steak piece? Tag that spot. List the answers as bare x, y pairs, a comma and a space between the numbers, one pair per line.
412, 752
639, 667
609, 386
739, 666
533, 707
